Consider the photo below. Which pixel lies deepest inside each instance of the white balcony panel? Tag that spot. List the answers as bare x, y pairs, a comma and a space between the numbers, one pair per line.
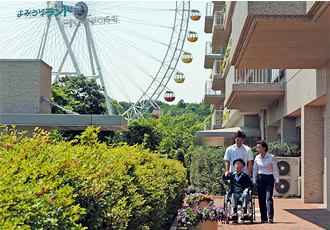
213, 97
210, 57
220, 37
218, 83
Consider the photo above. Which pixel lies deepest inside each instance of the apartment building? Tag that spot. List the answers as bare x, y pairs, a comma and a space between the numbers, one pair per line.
275, 83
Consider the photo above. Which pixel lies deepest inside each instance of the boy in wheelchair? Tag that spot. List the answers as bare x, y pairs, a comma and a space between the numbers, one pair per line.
240, 188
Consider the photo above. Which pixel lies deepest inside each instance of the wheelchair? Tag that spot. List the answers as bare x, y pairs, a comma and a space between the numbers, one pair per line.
240, 211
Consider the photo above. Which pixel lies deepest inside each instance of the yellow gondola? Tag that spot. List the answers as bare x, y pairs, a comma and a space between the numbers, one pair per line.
179, 77
195, 15
187, 57
192, 36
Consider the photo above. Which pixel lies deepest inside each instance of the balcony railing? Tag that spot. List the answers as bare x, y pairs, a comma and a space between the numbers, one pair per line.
209, 9
216, 51
217, 70
217, 118
207, 126
216, 121
243, 76
219, 19
210, 92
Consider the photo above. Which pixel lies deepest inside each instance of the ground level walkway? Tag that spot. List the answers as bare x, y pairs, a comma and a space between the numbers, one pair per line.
289, 214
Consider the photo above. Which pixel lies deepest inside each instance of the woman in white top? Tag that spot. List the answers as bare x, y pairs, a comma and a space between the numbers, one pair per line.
264, 168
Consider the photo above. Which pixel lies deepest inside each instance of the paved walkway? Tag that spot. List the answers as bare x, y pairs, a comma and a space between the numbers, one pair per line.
289, 214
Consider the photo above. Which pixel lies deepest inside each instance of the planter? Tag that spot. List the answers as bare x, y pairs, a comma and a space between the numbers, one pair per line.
203, 203
206, 225
200, 204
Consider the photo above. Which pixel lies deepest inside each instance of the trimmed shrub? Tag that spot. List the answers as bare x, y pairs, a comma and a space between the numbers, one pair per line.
281, 149
207, 167
85, 183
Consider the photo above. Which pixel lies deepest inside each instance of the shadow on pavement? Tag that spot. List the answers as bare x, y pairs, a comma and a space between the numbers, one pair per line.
319, 217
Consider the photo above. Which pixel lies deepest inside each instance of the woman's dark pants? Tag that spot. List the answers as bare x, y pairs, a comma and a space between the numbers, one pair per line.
265, 191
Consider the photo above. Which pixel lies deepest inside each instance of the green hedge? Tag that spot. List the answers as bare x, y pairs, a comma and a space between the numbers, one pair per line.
84, 183
281, 149
206, 169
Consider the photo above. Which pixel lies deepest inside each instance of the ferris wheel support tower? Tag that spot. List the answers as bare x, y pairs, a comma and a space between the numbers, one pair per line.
80, 11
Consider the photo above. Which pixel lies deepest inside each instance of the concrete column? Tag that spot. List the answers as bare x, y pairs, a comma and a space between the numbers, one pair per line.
271, 134
327, 137
288, 129
312, 154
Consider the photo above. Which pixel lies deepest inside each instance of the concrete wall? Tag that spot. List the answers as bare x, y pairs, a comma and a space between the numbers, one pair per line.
22, 82
327, 138
303, 86
288, 129
312, 154
276, 7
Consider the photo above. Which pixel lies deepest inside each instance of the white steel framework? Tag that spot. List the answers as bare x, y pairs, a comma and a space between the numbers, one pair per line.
168, 67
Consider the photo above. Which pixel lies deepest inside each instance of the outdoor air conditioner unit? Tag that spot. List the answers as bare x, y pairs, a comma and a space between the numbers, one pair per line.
289, 168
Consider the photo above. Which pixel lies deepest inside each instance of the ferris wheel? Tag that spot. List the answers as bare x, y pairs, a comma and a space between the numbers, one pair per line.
130, 48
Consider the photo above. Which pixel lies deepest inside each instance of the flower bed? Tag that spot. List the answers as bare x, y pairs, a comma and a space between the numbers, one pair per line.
194, 198
191, 190
192, 217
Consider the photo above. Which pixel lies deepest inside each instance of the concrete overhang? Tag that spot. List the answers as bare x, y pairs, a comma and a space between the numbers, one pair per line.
210, 58
223, 137
208, 24
285, 41
253, 97
214, 99
66, 121
220, 37
218, 83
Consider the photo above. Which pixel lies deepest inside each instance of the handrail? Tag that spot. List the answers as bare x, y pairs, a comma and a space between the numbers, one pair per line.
217, 70
219, 50
209, 9
219, 19
243, 76
209, 91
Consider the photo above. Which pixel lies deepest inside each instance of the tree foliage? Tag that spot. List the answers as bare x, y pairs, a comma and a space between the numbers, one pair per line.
199, 109
78, 94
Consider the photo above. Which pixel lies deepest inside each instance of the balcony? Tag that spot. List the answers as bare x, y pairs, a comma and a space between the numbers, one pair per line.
211, 7
283, 34
220, 36
213, 97
216, 122
251, 90
218, 83
210, 57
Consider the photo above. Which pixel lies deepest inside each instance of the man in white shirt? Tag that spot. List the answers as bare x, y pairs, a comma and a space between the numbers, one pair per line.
239, 150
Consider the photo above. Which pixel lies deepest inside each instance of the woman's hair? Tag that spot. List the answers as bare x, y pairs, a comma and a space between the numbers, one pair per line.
263, 144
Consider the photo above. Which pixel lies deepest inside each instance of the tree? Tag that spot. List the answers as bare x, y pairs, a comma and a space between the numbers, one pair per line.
116, 107
141, 131
79, 95
83, 96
